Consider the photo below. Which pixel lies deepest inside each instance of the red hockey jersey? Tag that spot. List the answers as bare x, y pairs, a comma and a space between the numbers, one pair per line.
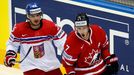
86, 57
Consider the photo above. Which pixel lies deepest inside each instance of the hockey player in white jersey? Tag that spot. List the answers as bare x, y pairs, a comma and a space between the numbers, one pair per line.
34, 38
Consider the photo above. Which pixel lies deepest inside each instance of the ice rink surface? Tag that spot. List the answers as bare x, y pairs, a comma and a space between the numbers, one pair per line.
9, 71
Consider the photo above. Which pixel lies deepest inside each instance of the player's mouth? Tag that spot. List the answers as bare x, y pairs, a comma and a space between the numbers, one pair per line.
36, 22
83, 35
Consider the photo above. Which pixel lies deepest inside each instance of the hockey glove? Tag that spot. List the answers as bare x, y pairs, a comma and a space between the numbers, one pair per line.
10, 58
112, 64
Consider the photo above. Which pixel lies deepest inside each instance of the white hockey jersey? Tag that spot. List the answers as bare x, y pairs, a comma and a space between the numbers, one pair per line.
42, 54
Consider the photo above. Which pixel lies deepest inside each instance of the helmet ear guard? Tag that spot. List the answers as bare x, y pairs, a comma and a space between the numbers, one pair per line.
82, 20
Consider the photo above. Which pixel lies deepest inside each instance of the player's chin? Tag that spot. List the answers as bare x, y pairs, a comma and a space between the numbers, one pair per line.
36, 23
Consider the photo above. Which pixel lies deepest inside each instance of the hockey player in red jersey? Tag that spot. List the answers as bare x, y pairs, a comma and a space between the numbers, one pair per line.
86, 51
35, 39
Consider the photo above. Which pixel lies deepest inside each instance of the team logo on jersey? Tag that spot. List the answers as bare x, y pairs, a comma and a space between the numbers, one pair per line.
93, 57
38, 51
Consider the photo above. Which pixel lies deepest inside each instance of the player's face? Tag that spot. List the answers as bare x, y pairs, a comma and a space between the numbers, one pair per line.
83, 31
35, 19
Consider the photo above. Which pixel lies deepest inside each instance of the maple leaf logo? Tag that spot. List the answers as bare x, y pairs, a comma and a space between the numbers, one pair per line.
91, 57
